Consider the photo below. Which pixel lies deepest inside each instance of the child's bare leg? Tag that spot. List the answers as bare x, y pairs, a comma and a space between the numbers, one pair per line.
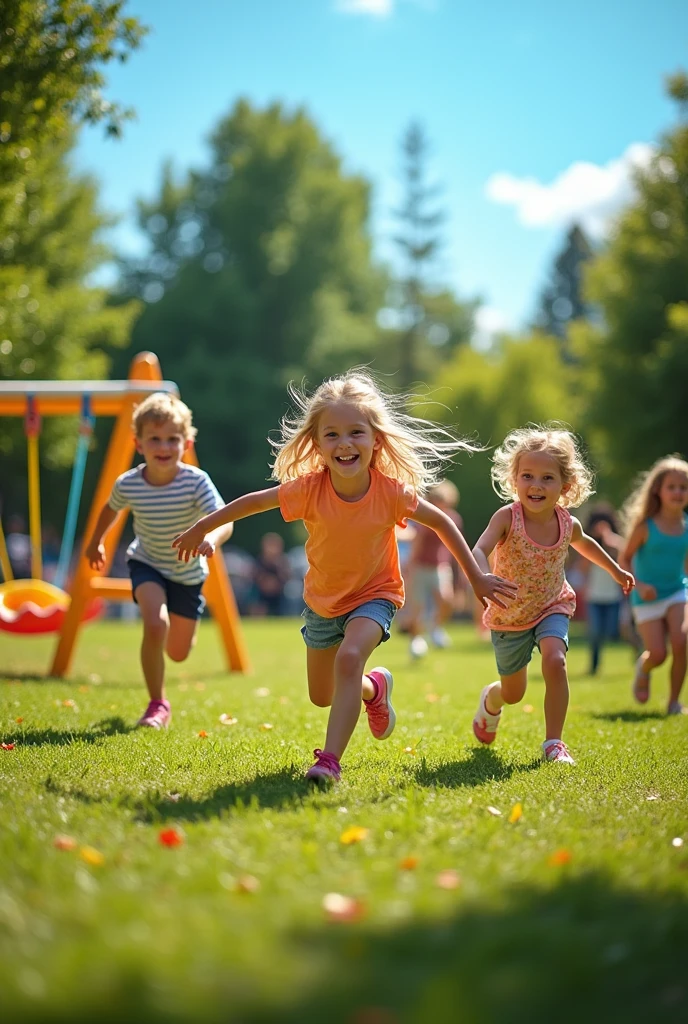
350, 685
677, 624
181, 637
653, 635
509, 690
151, 600
320, 669
553, 651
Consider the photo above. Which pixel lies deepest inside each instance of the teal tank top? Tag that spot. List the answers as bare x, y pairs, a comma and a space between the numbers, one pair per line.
661, 562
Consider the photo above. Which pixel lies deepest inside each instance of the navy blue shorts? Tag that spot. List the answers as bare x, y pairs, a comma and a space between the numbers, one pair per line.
183, 599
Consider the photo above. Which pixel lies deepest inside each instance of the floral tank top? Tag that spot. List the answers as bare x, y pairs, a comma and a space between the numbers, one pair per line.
539, 572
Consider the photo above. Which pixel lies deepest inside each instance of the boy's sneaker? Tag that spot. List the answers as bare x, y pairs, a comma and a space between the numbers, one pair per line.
326, 769
675, 708
418, 647
440, 638
381, 716
556, 750
485, 723
157, 715
641, 683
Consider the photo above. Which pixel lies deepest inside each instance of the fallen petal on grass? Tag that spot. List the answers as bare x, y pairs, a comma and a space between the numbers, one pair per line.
247, 883
92, 856
559, 858
68, 704
448, 879
174, 797
170, 837
432, 698
203, 734
677, 842
409, 863
516, 814
19, 721
265, 726
411, 751
342, 908
494, 812
7, 746
64, 843
355, 834
228, 720
528, 708
262, 691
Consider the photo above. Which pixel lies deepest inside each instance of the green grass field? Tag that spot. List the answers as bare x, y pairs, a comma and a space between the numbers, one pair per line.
579, 910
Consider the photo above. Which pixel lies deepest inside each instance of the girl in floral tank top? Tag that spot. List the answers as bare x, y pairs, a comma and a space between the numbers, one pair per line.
543, 470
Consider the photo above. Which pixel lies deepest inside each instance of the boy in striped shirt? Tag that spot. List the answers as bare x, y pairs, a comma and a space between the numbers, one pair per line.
165, 496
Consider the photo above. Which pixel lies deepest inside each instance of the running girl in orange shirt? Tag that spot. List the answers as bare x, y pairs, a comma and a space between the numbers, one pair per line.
351, 464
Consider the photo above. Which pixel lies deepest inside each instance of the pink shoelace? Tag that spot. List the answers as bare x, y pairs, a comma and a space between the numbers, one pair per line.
154, 708
557, 748
328, 761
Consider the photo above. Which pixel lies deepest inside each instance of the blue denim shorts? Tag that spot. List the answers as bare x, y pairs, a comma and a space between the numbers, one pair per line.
184, 599
320, 633
514, 649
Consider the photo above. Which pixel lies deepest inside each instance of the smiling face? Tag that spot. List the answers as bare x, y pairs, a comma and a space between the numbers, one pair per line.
162, 445
673, 491
538, 482
346, 441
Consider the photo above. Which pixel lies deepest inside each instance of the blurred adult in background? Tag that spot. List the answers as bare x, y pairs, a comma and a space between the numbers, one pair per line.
603, 597
271, 573
429, 576
18, 547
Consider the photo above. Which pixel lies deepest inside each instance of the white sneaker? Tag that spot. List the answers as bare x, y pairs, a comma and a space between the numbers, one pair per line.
485, 724
556, 750
675, 708
419, 647
440, 638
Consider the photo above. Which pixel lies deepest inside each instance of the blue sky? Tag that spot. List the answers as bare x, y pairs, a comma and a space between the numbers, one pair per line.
535, 111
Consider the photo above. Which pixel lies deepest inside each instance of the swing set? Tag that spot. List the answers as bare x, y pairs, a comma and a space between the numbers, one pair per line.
35, 606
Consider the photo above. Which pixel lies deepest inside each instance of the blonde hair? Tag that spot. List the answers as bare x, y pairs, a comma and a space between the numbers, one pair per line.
413, 450
644, 502
160, 408
553, 440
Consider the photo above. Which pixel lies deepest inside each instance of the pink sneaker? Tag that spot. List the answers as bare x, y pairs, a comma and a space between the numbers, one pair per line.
556, 750
381, 717
485, 724
157, 715
326, 769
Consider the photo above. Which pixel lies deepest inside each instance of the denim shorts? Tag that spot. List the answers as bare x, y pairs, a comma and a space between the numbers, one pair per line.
514, 648
184, 599
321, 633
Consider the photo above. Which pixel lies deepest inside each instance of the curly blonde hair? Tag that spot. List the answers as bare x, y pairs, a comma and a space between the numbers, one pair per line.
161, 408
644, 502
552, 439
413, 450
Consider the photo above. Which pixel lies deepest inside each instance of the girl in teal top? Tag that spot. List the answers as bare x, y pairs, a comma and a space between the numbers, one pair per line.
656, 550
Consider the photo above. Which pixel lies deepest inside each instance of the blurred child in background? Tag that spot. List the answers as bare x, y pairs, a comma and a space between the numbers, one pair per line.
603, 595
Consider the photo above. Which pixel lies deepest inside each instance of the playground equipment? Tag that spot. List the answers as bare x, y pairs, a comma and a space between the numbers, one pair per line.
31, 606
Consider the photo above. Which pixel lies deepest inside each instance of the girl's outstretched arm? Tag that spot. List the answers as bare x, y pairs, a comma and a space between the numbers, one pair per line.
497, 529
485, 584
590, 549
187, 543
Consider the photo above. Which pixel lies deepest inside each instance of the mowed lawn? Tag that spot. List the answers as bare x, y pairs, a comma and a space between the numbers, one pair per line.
461, 910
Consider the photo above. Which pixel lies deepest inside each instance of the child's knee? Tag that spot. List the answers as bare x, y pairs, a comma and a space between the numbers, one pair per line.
553, 663
155, 630
350, 661
177, 653
320, 700
657, 656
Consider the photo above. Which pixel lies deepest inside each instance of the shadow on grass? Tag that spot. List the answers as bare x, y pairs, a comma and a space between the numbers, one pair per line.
482, 765
588, 949
284, 788
64, 737
627, 715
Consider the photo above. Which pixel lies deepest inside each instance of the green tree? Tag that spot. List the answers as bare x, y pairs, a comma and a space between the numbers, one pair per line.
562, 300
52, 324
636, 362
259, 272
485, 395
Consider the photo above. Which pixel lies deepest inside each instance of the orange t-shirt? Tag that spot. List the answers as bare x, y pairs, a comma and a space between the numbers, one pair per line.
351, 548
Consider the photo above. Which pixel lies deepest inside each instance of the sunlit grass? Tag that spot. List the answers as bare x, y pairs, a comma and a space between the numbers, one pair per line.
579, 906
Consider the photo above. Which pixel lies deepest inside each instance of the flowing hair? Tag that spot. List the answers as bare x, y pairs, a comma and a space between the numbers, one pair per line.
551, 439
413, 451
644, 502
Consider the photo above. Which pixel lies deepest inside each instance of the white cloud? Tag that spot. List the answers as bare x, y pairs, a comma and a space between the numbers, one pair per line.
377, 8
489, 322
587, 193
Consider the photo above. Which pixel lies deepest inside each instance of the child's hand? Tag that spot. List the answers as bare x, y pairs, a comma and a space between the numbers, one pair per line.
488, 586
189, 542
95, 555
626, 581
646, 591
207, 548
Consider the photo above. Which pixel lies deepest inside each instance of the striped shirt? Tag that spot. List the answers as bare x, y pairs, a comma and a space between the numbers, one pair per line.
160, 513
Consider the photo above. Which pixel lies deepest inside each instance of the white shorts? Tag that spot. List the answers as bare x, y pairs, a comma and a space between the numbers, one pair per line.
649, 611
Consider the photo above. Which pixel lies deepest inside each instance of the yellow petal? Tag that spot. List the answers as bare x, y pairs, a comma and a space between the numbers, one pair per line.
355, 834
91, 856
409, 863
516, 814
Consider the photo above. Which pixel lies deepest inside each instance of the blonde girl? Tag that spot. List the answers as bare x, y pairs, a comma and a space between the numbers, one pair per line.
656, 548
351, 464
542, 469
